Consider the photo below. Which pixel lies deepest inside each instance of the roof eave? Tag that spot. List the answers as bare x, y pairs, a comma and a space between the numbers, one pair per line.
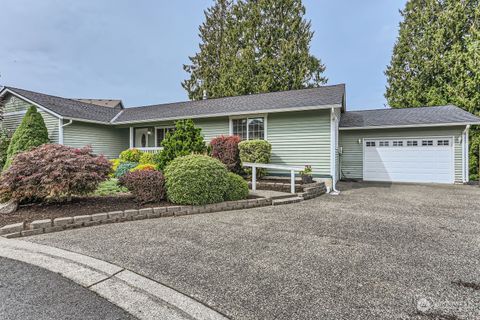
449, 124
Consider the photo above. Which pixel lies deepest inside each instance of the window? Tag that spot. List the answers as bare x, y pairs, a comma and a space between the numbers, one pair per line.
443, 142
398, 143
412, 143
162, 134
427, 143
383, 144
249, 128
370, 143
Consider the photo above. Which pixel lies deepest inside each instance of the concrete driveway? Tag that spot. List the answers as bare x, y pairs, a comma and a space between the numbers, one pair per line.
373, 252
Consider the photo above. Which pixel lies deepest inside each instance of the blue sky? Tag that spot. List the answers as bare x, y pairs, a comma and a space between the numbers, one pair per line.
134, 50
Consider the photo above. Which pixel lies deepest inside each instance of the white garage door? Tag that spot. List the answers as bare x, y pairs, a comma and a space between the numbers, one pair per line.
409, 160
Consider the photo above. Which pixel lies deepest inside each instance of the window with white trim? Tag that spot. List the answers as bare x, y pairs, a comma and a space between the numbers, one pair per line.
162, 134
443, 142
370, 143
398, 143
412, 143
249, 128
427, 143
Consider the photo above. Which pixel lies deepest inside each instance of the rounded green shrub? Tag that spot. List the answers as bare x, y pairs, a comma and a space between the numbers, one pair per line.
196, 180
123, 168
237, 188
255, 151
130, 155
146, 158
147, 167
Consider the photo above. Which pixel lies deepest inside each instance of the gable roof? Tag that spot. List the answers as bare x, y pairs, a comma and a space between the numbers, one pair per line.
303, 99
68, 108
407, 117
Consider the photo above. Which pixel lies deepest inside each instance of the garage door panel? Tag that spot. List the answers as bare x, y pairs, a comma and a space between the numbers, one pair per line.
422, 163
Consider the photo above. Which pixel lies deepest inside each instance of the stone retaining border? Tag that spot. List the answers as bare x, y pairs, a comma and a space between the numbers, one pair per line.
64, 223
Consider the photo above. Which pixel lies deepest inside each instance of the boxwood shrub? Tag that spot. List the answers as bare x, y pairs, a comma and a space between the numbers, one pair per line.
196, 180
237, 188
255, 151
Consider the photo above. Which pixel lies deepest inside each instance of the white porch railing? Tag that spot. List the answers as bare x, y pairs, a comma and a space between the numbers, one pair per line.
150, 149
254, 167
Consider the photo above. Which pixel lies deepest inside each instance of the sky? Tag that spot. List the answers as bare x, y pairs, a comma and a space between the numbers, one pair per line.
134, 50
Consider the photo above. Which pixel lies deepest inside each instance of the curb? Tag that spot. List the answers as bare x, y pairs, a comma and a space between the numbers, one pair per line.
36, 227
142, 297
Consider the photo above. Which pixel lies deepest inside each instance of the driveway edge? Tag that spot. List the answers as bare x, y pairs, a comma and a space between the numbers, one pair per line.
142, 297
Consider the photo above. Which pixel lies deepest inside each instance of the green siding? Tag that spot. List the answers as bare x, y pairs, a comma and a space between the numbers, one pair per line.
352, 155
15, 109
300, 138
103, 139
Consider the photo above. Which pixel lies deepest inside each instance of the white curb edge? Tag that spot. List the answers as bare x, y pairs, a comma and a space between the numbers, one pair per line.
142, 297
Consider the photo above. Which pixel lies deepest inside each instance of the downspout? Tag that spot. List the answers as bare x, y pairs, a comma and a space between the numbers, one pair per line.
333, 150
60, 127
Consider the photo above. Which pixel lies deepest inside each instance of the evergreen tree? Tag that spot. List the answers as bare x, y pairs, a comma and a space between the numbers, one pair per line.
435, 60
205, 67
31, 133
264, 47
185, 139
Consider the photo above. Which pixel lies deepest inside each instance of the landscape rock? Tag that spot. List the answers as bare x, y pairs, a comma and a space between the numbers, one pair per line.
8, 207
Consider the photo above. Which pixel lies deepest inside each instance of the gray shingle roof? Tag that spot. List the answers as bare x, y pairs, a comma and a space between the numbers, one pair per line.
321, 96
69, 107
408, 116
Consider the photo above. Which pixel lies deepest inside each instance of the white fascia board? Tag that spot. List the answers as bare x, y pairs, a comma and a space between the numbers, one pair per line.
6, 90
458, 124
213, 115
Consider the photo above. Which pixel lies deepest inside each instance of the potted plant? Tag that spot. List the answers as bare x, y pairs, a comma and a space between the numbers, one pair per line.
306, 175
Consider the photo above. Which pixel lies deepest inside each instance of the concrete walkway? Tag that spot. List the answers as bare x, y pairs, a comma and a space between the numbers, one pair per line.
373, 252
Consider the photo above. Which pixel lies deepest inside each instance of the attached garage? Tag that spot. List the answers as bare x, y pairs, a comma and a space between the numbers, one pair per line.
419, 145
424, 159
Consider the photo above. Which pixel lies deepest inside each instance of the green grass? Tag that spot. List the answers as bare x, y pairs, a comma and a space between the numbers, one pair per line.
109, 188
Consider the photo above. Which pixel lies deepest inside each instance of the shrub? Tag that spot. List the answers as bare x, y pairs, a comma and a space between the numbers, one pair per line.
146, 158
123, 168
255, 151
196, 180
109, 187
225, 149
186, 139
237, 188
130, 155
5, 137
145, 185
149, 167
53, 171
31, 133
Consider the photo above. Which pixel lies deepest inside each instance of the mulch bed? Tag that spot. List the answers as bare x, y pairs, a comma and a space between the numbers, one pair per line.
78, 206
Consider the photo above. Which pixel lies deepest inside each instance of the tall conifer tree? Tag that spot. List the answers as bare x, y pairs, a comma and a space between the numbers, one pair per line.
435, 60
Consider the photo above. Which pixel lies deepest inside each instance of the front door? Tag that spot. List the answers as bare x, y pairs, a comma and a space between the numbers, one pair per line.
141, 138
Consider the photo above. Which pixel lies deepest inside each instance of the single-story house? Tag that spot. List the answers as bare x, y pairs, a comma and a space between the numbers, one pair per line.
304, 127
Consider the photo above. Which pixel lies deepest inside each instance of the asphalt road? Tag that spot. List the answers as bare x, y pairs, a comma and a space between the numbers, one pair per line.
28, 292
376, 251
